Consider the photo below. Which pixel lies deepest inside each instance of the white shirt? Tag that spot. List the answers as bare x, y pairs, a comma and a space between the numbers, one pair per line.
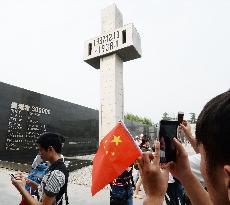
194, 161
171, 180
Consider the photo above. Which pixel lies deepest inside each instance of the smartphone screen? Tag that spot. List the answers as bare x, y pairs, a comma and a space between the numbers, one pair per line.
168, 130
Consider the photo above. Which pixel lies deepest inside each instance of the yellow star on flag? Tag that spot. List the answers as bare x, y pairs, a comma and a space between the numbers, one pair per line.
116, 139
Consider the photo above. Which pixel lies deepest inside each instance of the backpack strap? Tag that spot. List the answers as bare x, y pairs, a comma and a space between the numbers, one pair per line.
66, 197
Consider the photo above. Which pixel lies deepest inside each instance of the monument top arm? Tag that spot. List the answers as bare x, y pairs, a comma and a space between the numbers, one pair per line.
115, 38
125, 42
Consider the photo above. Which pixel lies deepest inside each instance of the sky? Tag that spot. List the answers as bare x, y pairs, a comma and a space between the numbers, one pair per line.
185, 52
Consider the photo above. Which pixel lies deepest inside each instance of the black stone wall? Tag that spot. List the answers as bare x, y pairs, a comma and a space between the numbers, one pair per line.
24, 115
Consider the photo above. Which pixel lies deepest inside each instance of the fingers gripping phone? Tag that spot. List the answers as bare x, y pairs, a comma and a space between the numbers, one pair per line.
167, 131
12, 176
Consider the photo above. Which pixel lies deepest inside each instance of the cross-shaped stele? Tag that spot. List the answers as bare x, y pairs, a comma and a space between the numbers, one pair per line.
107, 52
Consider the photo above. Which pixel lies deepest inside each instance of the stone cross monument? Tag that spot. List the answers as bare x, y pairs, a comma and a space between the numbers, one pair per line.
107, 52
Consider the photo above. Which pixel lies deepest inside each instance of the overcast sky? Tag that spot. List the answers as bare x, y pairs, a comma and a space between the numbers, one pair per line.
185, 47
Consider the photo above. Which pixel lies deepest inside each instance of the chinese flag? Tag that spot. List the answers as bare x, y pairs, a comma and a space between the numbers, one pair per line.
117, 151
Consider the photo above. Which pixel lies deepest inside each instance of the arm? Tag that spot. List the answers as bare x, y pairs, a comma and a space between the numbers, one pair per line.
33, 184
153, 201
32, 201
195, 191
185, 126
182, 171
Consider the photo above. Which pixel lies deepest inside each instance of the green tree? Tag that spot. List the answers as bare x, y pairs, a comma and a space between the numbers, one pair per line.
166, 116
136, 118
147, 121
192, 117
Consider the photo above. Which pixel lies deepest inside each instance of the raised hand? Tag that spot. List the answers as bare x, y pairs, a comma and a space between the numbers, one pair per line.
19, 181
186, 128
155, 179
181, 167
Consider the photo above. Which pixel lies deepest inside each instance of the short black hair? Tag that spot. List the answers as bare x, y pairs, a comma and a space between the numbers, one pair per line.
48, 139
62, 138
213, 131
144, 140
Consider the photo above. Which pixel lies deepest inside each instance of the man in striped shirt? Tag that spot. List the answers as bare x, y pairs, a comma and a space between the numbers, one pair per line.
54, 183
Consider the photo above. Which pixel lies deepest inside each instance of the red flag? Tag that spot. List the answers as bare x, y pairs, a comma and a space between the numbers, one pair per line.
117, 151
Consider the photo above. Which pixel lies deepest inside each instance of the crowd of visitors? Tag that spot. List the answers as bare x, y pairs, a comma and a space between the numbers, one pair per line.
200, 179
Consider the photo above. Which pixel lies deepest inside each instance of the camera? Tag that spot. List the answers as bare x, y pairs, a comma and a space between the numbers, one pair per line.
180, 117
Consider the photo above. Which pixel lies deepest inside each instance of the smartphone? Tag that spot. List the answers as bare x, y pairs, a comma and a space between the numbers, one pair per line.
12, 176
180, 117
167, 131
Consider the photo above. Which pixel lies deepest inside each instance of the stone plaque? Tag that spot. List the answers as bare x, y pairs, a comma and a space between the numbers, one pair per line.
24, 115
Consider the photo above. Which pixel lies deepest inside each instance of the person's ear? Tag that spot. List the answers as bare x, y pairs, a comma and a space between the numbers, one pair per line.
227, 179
50, 148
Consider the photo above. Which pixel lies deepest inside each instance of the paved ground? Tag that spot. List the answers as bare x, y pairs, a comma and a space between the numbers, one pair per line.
78, 194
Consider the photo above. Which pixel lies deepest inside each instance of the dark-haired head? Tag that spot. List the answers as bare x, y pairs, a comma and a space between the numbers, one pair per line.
213, 130
144, 140
213, 137
49, 139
